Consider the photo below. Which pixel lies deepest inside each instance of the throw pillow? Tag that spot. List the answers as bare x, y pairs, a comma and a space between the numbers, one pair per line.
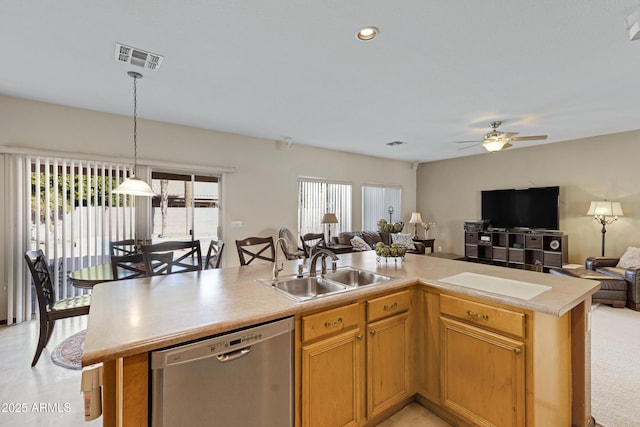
631, 258
405, 240
360, 244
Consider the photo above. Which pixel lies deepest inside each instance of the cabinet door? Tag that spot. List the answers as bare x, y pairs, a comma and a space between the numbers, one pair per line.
482, 375
332, 381
387, 363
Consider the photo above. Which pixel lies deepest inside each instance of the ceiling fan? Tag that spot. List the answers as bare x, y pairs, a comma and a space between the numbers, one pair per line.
497, 140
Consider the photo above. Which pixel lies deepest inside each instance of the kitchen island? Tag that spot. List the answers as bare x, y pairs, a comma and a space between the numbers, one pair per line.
130, 318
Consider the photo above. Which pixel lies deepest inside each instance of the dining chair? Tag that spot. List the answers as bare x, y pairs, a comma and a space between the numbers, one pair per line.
122, 247
128, 266
49, 308
253, 248
289, 246
214, 254
312, 242
185, 256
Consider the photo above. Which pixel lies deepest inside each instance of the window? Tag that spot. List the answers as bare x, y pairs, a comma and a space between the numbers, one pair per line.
317, 197
186, 207
376, 203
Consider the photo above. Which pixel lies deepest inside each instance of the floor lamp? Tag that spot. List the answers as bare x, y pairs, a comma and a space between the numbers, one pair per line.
600, 210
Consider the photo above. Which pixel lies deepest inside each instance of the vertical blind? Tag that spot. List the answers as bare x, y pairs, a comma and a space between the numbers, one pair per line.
317, 197
375, 205
70, 214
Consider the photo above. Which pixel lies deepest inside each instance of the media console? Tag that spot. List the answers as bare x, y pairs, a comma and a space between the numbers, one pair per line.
529, 250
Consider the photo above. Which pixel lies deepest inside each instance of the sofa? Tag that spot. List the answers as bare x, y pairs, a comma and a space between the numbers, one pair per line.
372, 238
631, 275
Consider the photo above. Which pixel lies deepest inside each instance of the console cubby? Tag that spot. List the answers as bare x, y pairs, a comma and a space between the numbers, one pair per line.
530, 250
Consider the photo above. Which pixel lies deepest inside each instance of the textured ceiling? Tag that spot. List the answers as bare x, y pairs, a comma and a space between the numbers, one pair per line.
438, 72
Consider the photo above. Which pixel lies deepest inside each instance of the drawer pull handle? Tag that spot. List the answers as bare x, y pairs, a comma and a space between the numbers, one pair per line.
391, 307
332, 324
477, 315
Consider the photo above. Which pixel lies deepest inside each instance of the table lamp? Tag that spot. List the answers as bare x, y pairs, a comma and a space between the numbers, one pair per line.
416, 219
329, 218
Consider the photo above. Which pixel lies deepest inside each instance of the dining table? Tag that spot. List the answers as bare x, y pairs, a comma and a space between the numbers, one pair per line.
88, 277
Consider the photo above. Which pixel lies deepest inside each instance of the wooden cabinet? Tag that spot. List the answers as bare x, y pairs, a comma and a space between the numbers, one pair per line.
338, 375
482, 371
388, 352
484, 363
525, 250
332, 375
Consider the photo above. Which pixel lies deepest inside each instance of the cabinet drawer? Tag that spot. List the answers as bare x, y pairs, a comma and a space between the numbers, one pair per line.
329, 322
498, 319
388, 305
533, 241
471, 238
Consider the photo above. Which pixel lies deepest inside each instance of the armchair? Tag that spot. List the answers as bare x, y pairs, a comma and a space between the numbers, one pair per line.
607, 265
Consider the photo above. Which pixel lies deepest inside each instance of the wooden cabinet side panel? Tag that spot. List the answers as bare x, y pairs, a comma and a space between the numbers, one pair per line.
549, 387
135, 386
430, 346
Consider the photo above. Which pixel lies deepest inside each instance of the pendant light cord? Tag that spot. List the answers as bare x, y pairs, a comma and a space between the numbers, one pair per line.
135, 126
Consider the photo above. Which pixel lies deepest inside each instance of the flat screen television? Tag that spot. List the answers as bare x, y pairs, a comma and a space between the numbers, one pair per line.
534, 208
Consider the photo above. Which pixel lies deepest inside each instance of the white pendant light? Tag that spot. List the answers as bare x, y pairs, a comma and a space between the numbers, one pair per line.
134, 185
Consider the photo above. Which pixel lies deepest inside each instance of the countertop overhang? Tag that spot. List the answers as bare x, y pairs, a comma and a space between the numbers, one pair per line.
129, 317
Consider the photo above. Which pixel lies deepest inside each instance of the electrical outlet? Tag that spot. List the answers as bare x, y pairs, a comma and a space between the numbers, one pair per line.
236, 224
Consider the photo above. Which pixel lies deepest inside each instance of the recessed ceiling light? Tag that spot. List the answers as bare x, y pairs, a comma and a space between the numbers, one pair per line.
367, 33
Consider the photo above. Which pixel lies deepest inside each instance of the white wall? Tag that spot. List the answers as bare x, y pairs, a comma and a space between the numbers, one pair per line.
598, 168
262, 193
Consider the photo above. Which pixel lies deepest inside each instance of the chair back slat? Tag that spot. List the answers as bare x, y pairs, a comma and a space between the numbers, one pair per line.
122, 247
312, 242
253, 248
128, 266
214, 254
188, 257
39, 268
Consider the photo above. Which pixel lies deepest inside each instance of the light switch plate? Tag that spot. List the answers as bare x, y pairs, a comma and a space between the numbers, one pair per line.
236, 224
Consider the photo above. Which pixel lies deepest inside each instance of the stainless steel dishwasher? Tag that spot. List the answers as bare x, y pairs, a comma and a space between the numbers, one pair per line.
242, 378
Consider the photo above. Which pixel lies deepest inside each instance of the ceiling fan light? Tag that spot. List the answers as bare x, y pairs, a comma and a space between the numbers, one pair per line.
494, 145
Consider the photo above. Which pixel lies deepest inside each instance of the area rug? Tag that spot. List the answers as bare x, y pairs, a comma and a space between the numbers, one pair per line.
68, 353
615, 371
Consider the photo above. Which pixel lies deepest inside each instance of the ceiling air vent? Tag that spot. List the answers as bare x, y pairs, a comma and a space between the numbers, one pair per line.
138, 57
394, 143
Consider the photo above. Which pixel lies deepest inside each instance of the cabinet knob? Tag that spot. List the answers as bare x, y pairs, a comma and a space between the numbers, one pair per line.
517, 351
359, 337
372, 332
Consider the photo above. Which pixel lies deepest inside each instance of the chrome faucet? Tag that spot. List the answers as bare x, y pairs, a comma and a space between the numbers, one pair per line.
277, 269
322, 254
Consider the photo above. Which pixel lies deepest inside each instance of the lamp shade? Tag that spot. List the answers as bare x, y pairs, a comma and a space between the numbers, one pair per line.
329, 218
416, 218
605, 208
135, 187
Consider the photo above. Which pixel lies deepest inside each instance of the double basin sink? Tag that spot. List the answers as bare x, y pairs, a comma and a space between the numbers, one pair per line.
342, 280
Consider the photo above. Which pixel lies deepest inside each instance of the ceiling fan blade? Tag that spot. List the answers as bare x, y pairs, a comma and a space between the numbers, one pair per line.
466, 142
507, 145
469, 146
509, 134
529, 138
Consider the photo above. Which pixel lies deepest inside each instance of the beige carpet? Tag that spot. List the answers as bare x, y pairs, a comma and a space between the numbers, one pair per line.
615, 366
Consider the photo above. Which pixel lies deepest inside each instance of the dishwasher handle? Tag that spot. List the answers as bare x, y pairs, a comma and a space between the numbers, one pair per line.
233, 355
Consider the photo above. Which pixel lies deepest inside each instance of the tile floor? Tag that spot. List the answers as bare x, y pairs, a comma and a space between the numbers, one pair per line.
48, 395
